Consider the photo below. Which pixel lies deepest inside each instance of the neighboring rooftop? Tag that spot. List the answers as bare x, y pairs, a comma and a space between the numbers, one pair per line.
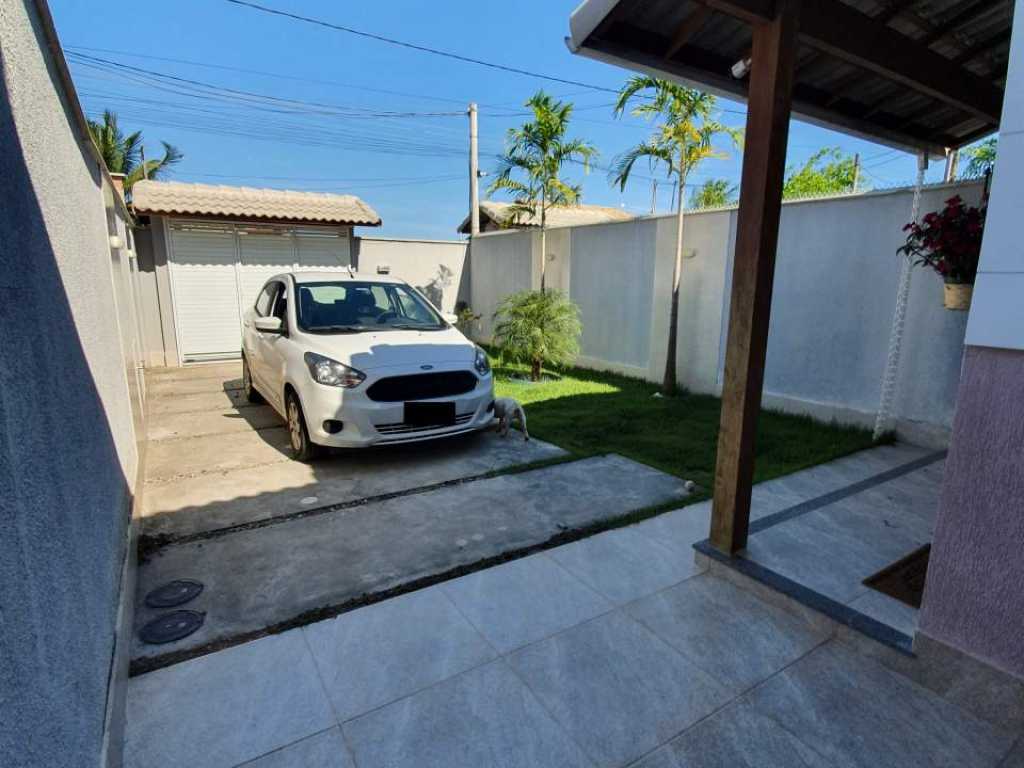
172, 197
498, 215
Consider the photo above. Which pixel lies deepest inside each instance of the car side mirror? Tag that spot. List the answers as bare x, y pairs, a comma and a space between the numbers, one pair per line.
451, 318
268, 324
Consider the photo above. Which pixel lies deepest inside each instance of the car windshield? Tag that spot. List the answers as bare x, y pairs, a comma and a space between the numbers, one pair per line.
349, 306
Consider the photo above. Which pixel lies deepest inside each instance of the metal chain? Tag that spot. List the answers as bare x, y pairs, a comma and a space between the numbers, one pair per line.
890, 378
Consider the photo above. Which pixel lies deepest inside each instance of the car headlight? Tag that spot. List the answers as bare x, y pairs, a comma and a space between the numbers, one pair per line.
481, 363
331, 372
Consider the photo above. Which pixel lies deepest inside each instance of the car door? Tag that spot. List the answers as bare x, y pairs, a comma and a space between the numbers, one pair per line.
272, 348
252, 339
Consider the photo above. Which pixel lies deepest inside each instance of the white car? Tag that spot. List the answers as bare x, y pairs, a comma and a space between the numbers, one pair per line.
354, 360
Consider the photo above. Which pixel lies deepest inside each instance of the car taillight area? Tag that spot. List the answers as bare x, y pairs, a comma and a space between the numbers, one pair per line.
422, 386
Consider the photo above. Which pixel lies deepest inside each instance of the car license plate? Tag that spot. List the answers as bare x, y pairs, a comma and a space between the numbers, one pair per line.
429, 414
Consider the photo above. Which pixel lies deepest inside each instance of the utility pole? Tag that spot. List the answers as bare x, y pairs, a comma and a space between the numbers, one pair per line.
474, 174
654, 196
856, 171
145, 173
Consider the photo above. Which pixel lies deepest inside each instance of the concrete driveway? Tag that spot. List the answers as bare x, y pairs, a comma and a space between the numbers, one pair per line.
278, 543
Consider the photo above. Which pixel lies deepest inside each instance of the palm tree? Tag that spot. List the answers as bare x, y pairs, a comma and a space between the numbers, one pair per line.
713, 193
681, 140
538, 150
123, 154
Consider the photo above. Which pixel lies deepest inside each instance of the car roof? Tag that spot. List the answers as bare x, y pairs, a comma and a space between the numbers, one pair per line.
338, 275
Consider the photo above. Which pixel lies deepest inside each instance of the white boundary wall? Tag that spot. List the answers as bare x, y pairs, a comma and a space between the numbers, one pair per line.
834, 296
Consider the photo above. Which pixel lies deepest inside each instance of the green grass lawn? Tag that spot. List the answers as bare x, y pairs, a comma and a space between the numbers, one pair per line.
588, 413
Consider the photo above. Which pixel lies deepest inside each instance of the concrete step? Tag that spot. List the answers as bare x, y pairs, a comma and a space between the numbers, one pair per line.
197, 402
170, 426
221, 499
176, 387
195, 456
225, 370
292, 571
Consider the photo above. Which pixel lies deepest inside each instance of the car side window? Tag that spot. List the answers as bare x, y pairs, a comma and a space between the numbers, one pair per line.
281, 305
266, 299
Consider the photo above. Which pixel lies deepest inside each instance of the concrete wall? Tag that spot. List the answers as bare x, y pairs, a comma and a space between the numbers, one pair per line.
68, 461
439, 268
974, 596
835, 291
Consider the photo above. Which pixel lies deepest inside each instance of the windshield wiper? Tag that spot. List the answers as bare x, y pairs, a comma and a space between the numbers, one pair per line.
412, 327
337, 329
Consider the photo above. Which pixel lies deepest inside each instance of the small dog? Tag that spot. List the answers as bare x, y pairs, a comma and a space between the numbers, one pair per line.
507, 409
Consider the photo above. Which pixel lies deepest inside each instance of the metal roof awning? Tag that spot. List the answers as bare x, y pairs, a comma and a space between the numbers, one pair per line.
910, 74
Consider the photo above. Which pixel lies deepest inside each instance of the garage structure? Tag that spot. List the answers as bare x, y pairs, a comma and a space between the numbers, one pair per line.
205, 251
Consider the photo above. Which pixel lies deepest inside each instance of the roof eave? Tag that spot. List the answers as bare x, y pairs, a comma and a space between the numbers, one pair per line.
727, 88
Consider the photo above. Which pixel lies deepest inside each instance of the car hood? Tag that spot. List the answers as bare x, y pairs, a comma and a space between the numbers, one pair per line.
371, 350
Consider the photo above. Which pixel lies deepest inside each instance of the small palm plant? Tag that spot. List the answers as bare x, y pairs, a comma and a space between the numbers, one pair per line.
682, 139
538, 327
536, 151
123, 154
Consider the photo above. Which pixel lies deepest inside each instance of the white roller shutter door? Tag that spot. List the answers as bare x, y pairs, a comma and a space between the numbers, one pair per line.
218, 270
205, 294
323, 251
263, 255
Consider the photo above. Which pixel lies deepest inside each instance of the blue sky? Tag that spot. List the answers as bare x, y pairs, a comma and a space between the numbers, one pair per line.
322, 129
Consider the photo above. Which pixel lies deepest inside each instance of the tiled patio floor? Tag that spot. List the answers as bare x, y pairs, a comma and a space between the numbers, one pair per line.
617, 650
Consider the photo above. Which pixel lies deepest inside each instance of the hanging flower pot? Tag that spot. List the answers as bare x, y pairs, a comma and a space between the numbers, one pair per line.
957, 296
949, 241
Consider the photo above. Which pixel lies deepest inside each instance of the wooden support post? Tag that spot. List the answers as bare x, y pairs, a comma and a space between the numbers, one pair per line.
764, 163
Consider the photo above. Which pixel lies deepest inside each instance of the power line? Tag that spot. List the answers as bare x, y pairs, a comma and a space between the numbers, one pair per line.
347, 112
264, 73
430, 50
416, 47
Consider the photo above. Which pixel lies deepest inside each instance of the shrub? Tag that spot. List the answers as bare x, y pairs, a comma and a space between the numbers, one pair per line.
538, 327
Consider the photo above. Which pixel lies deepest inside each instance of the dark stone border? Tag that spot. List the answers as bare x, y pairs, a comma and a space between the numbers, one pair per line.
838, 612
811, 505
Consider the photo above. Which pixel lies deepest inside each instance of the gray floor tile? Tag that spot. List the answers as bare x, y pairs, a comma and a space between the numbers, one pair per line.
623, 565
485, 717
809, 555
852, 709
736, 737
227, 707
726, 631
380, 653
523, 601
616, 688
889, 611
323, 750
679, 528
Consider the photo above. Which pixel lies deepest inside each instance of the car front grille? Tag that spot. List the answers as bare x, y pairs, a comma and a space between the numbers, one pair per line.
422, 386
404, 429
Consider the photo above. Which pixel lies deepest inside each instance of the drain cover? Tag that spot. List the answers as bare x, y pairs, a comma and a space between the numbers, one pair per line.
171, 626
173, 593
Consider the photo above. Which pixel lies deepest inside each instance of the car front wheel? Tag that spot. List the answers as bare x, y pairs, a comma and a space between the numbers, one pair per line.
303, 448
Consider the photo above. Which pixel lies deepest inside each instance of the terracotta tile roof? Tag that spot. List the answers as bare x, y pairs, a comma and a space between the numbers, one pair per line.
558, 216
235, 202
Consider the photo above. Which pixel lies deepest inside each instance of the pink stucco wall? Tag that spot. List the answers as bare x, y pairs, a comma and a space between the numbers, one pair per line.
974, 595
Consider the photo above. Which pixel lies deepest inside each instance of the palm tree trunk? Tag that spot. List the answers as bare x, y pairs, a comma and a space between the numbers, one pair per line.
543, 240
668, 384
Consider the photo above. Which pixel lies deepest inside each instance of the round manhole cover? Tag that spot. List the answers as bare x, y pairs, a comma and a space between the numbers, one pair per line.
174, 593
171, 626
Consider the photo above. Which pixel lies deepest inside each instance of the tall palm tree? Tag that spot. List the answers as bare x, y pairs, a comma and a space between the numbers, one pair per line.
682, 139
123, 154
536, 151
